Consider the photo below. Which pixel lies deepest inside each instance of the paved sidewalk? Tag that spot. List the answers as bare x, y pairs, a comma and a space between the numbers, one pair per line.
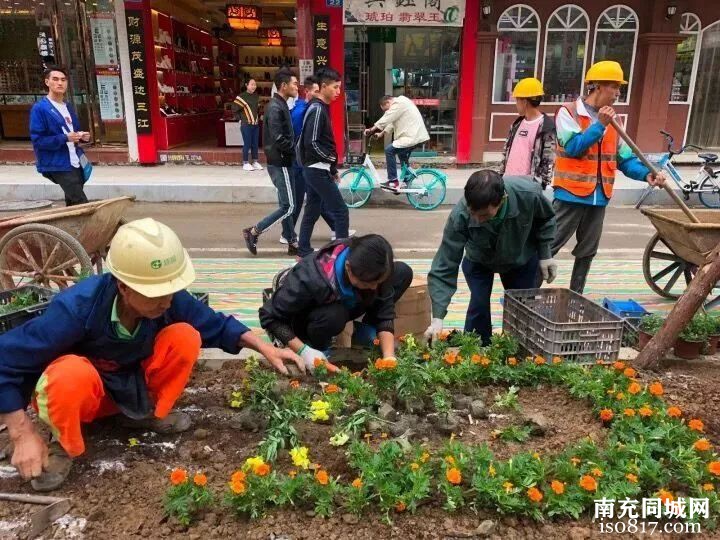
207, 183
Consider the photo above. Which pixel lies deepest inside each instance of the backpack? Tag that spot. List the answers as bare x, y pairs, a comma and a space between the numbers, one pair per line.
299, 156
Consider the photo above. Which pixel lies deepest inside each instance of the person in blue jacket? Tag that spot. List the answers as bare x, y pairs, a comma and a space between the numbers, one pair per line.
121, 343
55, 134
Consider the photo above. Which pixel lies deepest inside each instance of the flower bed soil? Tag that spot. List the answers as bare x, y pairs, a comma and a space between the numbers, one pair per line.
117, 489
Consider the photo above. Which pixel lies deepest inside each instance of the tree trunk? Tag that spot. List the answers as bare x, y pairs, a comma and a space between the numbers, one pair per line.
688, 304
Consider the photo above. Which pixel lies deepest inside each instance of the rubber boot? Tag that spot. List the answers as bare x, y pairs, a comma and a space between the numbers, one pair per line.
175, 422
57, 471
581, 268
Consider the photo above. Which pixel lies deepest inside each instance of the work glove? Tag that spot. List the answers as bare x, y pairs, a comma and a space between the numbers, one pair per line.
548, 267
310, 355
436, 326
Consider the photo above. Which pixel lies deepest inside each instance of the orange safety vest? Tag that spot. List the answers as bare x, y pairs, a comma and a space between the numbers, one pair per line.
580, 175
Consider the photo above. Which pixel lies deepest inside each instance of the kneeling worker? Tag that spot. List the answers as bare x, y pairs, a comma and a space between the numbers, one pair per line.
314, 300
501, 227
124, 342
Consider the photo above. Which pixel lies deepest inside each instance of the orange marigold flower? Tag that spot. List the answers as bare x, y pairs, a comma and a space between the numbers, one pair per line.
558, 487
557, 360
656, 389
632, 478
444, 335
708, 487
292, 473
575, 461
294, 384
702, 445
674, 412
332, 389
238, 488
475, 358
318, 362
178, 476
597, 473
385, 363
696, 425
606, 415
238, 476
619, 365
539, 360
512, 361
629, 412
645, 411
376, 342
634, 388
453, 475
262, 469
714, 468
620, 396
322, 477
588, 483
400, 506
508, 486
426, 356
414, 466
534, 494
630, 373
357, 483
665, 496
450, 358
200, 479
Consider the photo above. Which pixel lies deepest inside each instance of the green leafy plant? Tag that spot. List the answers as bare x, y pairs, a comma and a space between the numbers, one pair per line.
651, 324
442, 401
186, 497
514, 433
20, 301
509, 400
696, 329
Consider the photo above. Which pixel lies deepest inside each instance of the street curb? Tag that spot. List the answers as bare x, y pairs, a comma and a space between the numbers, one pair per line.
257, 194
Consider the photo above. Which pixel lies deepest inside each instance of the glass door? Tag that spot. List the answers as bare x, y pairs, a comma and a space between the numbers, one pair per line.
704, 130
356, 87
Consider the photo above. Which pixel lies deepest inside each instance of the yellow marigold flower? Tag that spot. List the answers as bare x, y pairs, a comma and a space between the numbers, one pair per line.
425, 456
300, 457
620, 396
508, 486
575, 461
491, 471
414, 466
253, 462
450, 460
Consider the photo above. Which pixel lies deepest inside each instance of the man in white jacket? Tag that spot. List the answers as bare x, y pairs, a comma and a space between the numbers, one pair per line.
404, 119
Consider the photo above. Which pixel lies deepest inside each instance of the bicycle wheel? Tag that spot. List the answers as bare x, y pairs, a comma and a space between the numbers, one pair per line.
355, 187
433, 185
711, 197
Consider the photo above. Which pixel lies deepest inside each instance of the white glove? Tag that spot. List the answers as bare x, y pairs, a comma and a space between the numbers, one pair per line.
308, 354
436, 326
548, 267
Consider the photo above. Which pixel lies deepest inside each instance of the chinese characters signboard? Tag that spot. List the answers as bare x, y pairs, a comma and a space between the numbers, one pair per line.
405, 12
138, 70
321, 41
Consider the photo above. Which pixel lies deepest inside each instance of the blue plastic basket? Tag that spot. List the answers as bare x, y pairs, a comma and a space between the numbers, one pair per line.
629, 310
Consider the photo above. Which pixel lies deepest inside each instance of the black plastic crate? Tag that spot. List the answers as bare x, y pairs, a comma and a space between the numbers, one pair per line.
355, 159
17, 317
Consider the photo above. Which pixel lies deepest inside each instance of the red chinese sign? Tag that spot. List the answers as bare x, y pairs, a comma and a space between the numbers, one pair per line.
405, 12
426, 102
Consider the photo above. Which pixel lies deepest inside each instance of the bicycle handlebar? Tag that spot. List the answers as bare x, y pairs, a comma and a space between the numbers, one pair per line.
671, 140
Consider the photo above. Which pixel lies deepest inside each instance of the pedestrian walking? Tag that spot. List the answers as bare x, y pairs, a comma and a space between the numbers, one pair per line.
402, 118
501, 226
279, 146
530, 146
589, 154
318, 156
55, 134
247, 104
297, 113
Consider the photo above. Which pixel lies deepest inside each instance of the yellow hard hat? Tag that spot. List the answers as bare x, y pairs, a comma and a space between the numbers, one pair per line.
147, 256
528, 88
607, 70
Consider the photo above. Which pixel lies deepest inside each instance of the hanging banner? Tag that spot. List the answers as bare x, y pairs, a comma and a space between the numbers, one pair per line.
102, 30
405, 12
321, 40
109, 96
138, 70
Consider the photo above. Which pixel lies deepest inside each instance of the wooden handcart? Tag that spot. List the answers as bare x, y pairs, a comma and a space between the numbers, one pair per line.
58, 247
679, 249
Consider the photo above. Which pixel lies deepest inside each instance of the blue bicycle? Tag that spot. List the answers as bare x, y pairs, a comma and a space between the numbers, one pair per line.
706, 183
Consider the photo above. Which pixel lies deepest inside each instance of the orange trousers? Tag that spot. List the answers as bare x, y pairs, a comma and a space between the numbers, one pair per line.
70, 391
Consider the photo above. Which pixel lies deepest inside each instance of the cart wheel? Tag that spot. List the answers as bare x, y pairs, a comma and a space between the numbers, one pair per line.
42, 255
433, 184
663, 269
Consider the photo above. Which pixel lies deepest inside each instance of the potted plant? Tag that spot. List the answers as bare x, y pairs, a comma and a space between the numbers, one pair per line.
691, 339
648, 327
712, 323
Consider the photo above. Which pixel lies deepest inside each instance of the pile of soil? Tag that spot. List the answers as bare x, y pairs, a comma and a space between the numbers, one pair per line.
117, 487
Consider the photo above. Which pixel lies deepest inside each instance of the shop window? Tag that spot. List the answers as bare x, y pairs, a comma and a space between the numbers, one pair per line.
615, 39
516, 50
566, 39
704, 129
684, 74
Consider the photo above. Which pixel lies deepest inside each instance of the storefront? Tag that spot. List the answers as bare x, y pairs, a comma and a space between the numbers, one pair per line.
80, 36
669, 52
